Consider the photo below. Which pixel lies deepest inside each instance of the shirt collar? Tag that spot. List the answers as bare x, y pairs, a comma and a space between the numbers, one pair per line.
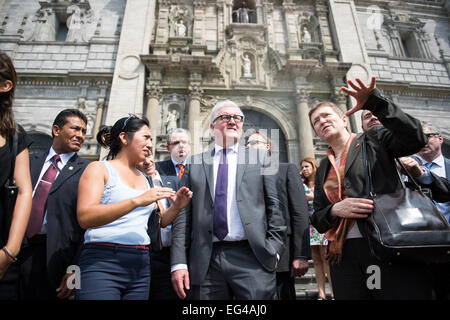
439, 160
175, 163
65, 157
234, 148
157, 176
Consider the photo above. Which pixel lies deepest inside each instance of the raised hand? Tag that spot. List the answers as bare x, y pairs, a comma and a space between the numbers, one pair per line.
361, 93
181, 198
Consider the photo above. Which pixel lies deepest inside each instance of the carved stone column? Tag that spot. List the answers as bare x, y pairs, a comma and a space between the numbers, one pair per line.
99, 116
154, 93
194, 120
305, 136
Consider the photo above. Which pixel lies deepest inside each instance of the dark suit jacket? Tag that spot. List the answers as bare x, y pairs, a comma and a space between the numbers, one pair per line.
400, 135
166, 168
292, 195
167, 182
260, 211
64, 235
440, 187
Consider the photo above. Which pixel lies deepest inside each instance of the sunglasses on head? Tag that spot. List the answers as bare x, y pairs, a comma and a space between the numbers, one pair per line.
130, 116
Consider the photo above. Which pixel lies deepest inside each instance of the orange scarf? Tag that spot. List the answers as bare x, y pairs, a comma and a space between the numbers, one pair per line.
335, 192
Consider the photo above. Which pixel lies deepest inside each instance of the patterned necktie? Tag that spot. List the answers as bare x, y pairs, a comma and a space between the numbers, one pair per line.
220, 225
39, 203
181, 167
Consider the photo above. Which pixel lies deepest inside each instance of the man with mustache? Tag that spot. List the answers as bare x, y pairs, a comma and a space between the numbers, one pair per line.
53, 237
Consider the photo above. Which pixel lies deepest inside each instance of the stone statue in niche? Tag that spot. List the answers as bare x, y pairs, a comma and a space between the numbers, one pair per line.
247, 66
241, 15
180, 29
76, 23
45, 25
306, 36
172, 121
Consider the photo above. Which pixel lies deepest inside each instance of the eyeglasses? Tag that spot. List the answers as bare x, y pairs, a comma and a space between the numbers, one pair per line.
431, 135
226, 118
181, 142
253, 142
130, 116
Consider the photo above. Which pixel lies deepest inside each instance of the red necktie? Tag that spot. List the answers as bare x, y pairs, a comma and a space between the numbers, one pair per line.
39, 203
181, 167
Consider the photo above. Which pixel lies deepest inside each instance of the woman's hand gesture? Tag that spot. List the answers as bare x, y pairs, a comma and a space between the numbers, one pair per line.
181, 198
154, 194
361, 93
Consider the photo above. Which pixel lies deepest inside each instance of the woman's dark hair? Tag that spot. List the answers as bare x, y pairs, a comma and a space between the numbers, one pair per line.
7, 72
108, 136
310, 182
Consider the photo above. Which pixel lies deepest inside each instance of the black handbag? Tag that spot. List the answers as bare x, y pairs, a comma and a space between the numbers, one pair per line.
9, 193
405, 225
154, 229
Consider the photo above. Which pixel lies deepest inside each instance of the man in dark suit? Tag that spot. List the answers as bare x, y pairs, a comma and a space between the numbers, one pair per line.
233, 228
438, 168
294, 260
179, 147
432, 158
160, 277
53, 236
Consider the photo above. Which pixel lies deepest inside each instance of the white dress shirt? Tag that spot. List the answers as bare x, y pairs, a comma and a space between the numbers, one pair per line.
235, 228
65, 157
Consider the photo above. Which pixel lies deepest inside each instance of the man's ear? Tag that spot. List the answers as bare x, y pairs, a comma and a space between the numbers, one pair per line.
6, 86
55, 130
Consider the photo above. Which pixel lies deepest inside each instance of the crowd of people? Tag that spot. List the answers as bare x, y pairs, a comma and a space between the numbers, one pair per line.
227, 228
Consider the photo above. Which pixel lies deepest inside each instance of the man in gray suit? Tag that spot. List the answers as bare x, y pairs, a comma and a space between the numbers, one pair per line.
228, 240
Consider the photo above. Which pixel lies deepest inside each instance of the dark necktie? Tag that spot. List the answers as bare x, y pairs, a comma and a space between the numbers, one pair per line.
39, 203
181, 167
220, 225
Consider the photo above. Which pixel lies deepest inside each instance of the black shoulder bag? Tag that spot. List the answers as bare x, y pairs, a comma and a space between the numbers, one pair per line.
405, 225
154, 225
9, 194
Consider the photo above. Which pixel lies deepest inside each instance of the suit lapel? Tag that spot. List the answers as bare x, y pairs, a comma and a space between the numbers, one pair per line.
242, 152
71, 168
208, 165
37, 162
354, 151
447, 168
168, 182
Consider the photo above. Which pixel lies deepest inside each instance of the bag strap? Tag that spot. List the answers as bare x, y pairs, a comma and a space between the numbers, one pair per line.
368, 174
15, 141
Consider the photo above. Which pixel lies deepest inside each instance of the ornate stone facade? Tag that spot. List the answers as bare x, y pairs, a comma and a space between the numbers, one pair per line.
274, 58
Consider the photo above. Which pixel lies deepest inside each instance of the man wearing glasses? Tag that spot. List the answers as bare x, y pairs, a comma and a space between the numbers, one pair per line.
179, 147
294, 260
227, 242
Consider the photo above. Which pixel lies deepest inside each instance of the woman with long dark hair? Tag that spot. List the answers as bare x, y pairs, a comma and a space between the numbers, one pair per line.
318, 241
114, 203
12, 224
